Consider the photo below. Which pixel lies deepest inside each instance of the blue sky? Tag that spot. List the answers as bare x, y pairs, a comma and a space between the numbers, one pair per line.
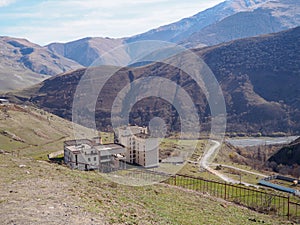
46, 21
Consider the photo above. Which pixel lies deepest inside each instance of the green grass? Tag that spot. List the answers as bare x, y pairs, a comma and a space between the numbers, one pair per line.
115, 203
41, 133
107, 137
8, 144
153, 204
266, 201
173, 147
98, 197
194, 171
237, 175
191, 169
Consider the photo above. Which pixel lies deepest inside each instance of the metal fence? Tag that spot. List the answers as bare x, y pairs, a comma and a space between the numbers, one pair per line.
253, 198
260, 200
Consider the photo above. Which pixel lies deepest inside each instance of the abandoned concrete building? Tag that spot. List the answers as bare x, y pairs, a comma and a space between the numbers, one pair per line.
88, 154
140, 148
132, 145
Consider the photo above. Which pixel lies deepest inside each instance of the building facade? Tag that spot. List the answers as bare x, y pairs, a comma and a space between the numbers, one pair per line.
92, 155
140, 148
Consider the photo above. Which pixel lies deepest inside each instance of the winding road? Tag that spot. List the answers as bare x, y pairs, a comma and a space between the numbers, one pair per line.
209, 156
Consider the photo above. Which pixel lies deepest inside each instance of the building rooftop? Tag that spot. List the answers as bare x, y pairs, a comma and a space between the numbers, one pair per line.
108, 146
132, 130
78, 148
110, 149
78, 142
107, 149
142, 135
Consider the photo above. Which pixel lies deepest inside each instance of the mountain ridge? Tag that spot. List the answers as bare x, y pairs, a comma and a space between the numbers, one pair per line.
86, 50
268, 17
242, 67
229, 20
186, 26
27, 63
24, 63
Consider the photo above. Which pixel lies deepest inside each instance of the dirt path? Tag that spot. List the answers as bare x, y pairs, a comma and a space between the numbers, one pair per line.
242, 170
209, 156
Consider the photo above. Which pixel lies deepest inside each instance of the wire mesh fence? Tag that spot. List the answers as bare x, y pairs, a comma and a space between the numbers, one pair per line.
261, 200
251, 197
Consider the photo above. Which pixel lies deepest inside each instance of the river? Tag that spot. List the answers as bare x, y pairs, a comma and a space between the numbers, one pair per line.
244, 142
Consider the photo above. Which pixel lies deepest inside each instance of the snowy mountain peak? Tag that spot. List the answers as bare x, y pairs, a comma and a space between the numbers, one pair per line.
244, 5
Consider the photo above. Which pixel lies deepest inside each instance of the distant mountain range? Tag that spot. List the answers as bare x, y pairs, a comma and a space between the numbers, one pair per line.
229, 20
179, 31
25, 63
260, 17
85, 51
259, 78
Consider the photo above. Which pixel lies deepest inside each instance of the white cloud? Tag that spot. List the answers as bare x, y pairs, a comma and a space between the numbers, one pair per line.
6, 2
54, 20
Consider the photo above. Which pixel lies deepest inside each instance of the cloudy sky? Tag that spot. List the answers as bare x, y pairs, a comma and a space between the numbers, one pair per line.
46, 21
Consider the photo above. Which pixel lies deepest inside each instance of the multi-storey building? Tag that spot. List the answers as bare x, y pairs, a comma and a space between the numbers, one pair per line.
141, 149
91, 154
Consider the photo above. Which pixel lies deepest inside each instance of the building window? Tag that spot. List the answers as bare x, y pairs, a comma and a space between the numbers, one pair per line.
89, 159
95, 158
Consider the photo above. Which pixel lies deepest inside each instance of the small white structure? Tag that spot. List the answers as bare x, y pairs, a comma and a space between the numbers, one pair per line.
140, 148
4, 101
92, 155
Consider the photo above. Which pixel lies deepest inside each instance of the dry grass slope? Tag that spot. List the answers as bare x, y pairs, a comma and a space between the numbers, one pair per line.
43, 193
38, 192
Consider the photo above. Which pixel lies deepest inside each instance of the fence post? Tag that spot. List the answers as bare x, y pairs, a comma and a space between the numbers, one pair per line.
175, 180
225, 190
289, 207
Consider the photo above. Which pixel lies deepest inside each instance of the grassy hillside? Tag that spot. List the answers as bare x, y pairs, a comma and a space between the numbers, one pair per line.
38, 192
43, 193
30, 132
286, 160
288, 155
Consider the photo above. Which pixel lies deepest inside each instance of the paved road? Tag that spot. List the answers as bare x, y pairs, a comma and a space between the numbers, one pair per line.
209, 157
